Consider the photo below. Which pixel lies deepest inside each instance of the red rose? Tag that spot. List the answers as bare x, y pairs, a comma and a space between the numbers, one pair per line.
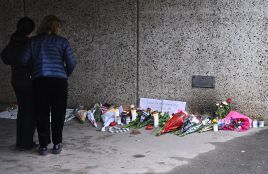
229, 100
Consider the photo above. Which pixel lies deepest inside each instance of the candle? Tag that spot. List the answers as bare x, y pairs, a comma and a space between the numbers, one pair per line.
128, 119
117, 116
215, 127
156, 118
116, 112
133, 114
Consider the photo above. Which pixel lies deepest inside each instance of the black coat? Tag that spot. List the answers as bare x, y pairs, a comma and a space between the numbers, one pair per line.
23, 89
11, 56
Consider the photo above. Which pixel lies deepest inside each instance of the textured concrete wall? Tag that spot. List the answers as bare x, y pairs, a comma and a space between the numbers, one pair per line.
225, 39
10, 12
177, 39
103, 37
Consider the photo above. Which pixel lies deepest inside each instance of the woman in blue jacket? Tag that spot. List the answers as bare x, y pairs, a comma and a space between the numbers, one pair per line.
21, 82
51, 60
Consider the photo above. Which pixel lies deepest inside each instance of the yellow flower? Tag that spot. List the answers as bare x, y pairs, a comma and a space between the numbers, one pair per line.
214, 120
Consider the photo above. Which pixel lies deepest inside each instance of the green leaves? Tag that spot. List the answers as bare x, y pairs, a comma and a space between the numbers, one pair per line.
163, 119
223, 109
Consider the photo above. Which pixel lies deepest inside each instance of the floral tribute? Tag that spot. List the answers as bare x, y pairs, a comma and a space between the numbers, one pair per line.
223, 108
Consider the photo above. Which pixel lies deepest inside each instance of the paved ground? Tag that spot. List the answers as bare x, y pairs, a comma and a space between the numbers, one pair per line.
244, 155
89, 151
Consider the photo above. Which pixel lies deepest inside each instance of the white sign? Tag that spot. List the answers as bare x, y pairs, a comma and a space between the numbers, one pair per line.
173, 106
154, 104
162, 105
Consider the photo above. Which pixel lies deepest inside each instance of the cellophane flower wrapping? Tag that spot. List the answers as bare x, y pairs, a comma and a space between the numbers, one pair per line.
236, 121
197, 127
189, 122
81, 115
174, 123
91, 118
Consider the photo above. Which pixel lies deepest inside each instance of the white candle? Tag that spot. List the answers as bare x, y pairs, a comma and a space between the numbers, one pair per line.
215, 127
116, 112
128, 119
133, 114
156, 119
255, 123
117, 116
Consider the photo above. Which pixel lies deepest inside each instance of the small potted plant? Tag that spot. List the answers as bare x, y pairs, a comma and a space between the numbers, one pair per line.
255, 121
260, 121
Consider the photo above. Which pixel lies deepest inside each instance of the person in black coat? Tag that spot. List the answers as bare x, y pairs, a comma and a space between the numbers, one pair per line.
21, 82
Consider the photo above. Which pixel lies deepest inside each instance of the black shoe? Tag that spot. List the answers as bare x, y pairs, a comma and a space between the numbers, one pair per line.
57, 148
42, 151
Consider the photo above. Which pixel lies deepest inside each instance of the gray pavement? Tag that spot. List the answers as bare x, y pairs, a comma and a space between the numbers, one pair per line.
244, 155
89, 151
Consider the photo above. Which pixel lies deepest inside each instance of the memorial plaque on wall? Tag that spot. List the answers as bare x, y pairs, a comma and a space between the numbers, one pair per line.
203, 81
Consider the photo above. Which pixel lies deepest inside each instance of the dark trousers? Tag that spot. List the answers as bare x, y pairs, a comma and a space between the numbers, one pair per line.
51, 98
25, 117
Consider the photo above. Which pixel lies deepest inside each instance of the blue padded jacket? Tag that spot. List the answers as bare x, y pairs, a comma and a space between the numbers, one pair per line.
49, 56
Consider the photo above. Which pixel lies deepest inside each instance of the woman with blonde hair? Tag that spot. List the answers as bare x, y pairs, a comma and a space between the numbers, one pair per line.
51, 60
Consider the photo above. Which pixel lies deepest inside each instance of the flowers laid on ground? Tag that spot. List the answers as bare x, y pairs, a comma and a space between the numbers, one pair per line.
193, 124
143, 119
224, 108
116, 119
173, 124
164, 117
233, 124
236, 121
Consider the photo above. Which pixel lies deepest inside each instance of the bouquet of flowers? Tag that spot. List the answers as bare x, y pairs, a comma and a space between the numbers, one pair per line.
164, 117
223, 108
194, 128
233, 124
173, 124
143, 119
236, 121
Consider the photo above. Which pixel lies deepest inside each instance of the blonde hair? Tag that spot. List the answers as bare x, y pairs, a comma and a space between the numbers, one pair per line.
50, 24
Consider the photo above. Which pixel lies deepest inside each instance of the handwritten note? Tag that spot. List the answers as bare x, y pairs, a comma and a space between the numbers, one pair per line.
173, 106
162, 105
154, 104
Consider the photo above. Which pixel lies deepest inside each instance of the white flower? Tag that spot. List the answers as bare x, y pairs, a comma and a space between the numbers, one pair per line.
225, 103
221, 106
217, 104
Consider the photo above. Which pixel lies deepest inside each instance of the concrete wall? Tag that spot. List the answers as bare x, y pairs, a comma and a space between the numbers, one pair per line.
10, 12
103, 37
225, 39
177, 39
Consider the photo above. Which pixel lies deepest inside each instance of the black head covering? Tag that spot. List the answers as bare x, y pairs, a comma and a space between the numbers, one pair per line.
25, 26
